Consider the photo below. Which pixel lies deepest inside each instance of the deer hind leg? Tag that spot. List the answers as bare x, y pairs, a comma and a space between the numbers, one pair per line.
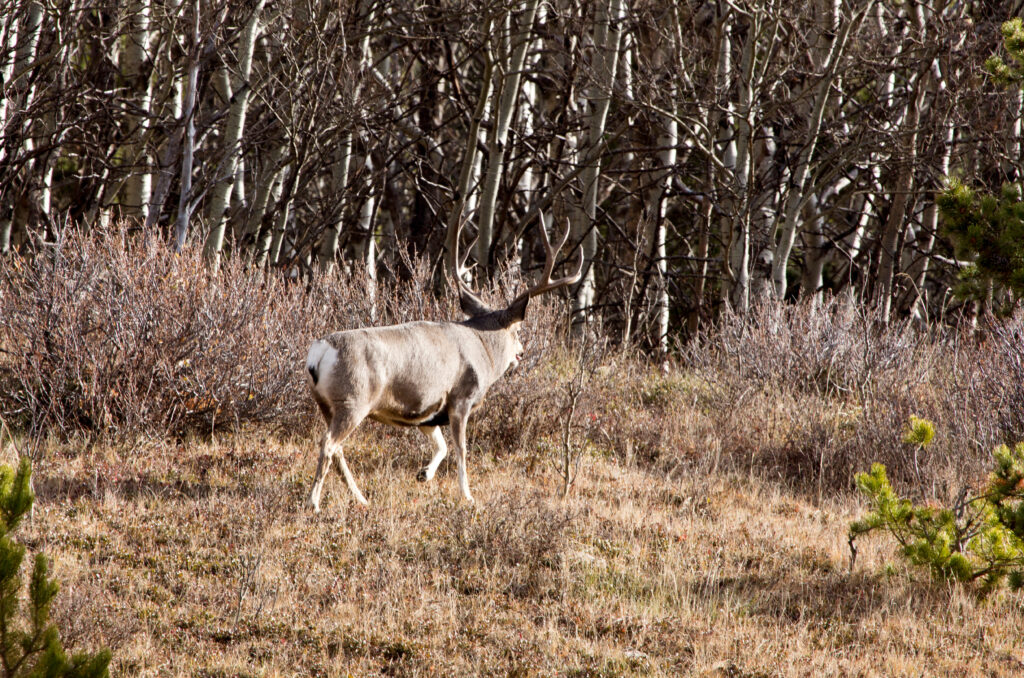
459, 422
331, 453
434, 433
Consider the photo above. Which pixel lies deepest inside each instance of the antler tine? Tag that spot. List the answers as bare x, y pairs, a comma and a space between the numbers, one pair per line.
461, 270
546, 284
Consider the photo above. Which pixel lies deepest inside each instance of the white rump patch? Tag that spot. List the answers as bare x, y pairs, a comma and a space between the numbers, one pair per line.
322, 357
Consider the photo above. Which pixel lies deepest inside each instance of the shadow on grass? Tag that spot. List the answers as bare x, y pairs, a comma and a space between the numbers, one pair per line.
57, 489
825, 599
72, 489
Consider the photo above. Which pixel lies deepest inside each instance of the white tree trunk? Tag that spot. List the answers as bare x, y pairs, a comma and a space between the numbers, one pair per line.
532, 102
46, 128
169, 106
339, 185
280, 225
656, 235
270, 178
328, 252
798, 186
852, 245
270, 238
470, 168
814, 241
22, 93
365, 249
8, 45
738, 158
607, 38
362, 245
217, 216
714, 135
185, 203
918, 270
138, 183
508, 76
895, 223
25, 54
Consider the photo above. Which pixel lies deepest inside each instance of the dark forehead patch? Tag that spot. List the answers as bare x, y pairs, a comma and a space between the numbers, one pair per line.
495, 320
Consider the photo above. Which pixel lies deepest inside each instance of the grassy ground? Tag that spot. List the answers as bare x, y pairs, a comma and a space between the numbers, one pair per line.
680, 551
200, 559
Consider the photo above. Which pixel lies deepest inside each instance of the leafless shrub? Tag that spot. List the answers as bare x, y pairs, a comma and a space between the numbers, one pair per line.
113, 334
117, 336
1000, 383
814, 393
833, 348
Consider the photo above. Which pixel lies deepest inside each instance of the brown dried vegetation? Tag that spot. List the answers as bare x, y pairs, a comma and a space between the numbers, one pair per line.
706, 534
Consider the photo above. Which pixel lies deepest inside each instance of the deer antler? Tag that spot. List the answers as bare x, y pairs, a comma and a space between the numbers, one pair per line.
461, 271
546, 284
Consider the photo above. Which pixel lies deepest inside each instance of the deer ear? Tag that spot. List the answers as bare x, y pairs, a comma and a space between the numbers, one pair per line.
516, 313
471, 304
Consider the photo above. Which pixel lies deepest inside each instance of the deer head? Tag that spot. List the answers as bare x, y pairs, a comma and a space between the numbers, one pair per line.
510, 317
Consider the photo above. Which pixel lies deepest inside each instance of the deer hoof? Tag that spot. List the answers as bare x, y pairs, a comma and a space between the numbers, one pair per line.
422, 475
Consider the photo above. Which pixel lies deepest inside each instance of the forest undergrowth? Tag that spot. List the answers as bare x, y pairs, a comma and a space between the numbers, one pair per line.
173, 442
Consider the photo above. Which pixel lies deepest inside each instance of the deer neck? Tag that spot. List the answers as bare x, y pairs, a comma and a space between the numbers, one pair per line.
496, 342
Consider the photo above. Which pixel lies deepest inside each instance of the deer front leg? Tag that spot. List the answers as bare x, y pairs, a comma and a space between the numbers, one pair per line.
459, 421
434, 433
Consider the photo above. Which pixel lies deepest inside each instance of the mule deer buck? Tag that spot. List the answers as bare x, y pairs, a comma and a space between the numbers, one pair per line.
423, 374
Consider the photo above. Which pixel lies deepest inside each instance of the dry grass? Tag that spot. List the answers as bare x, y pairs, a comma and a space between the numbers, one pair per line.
199, 559
706, 534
